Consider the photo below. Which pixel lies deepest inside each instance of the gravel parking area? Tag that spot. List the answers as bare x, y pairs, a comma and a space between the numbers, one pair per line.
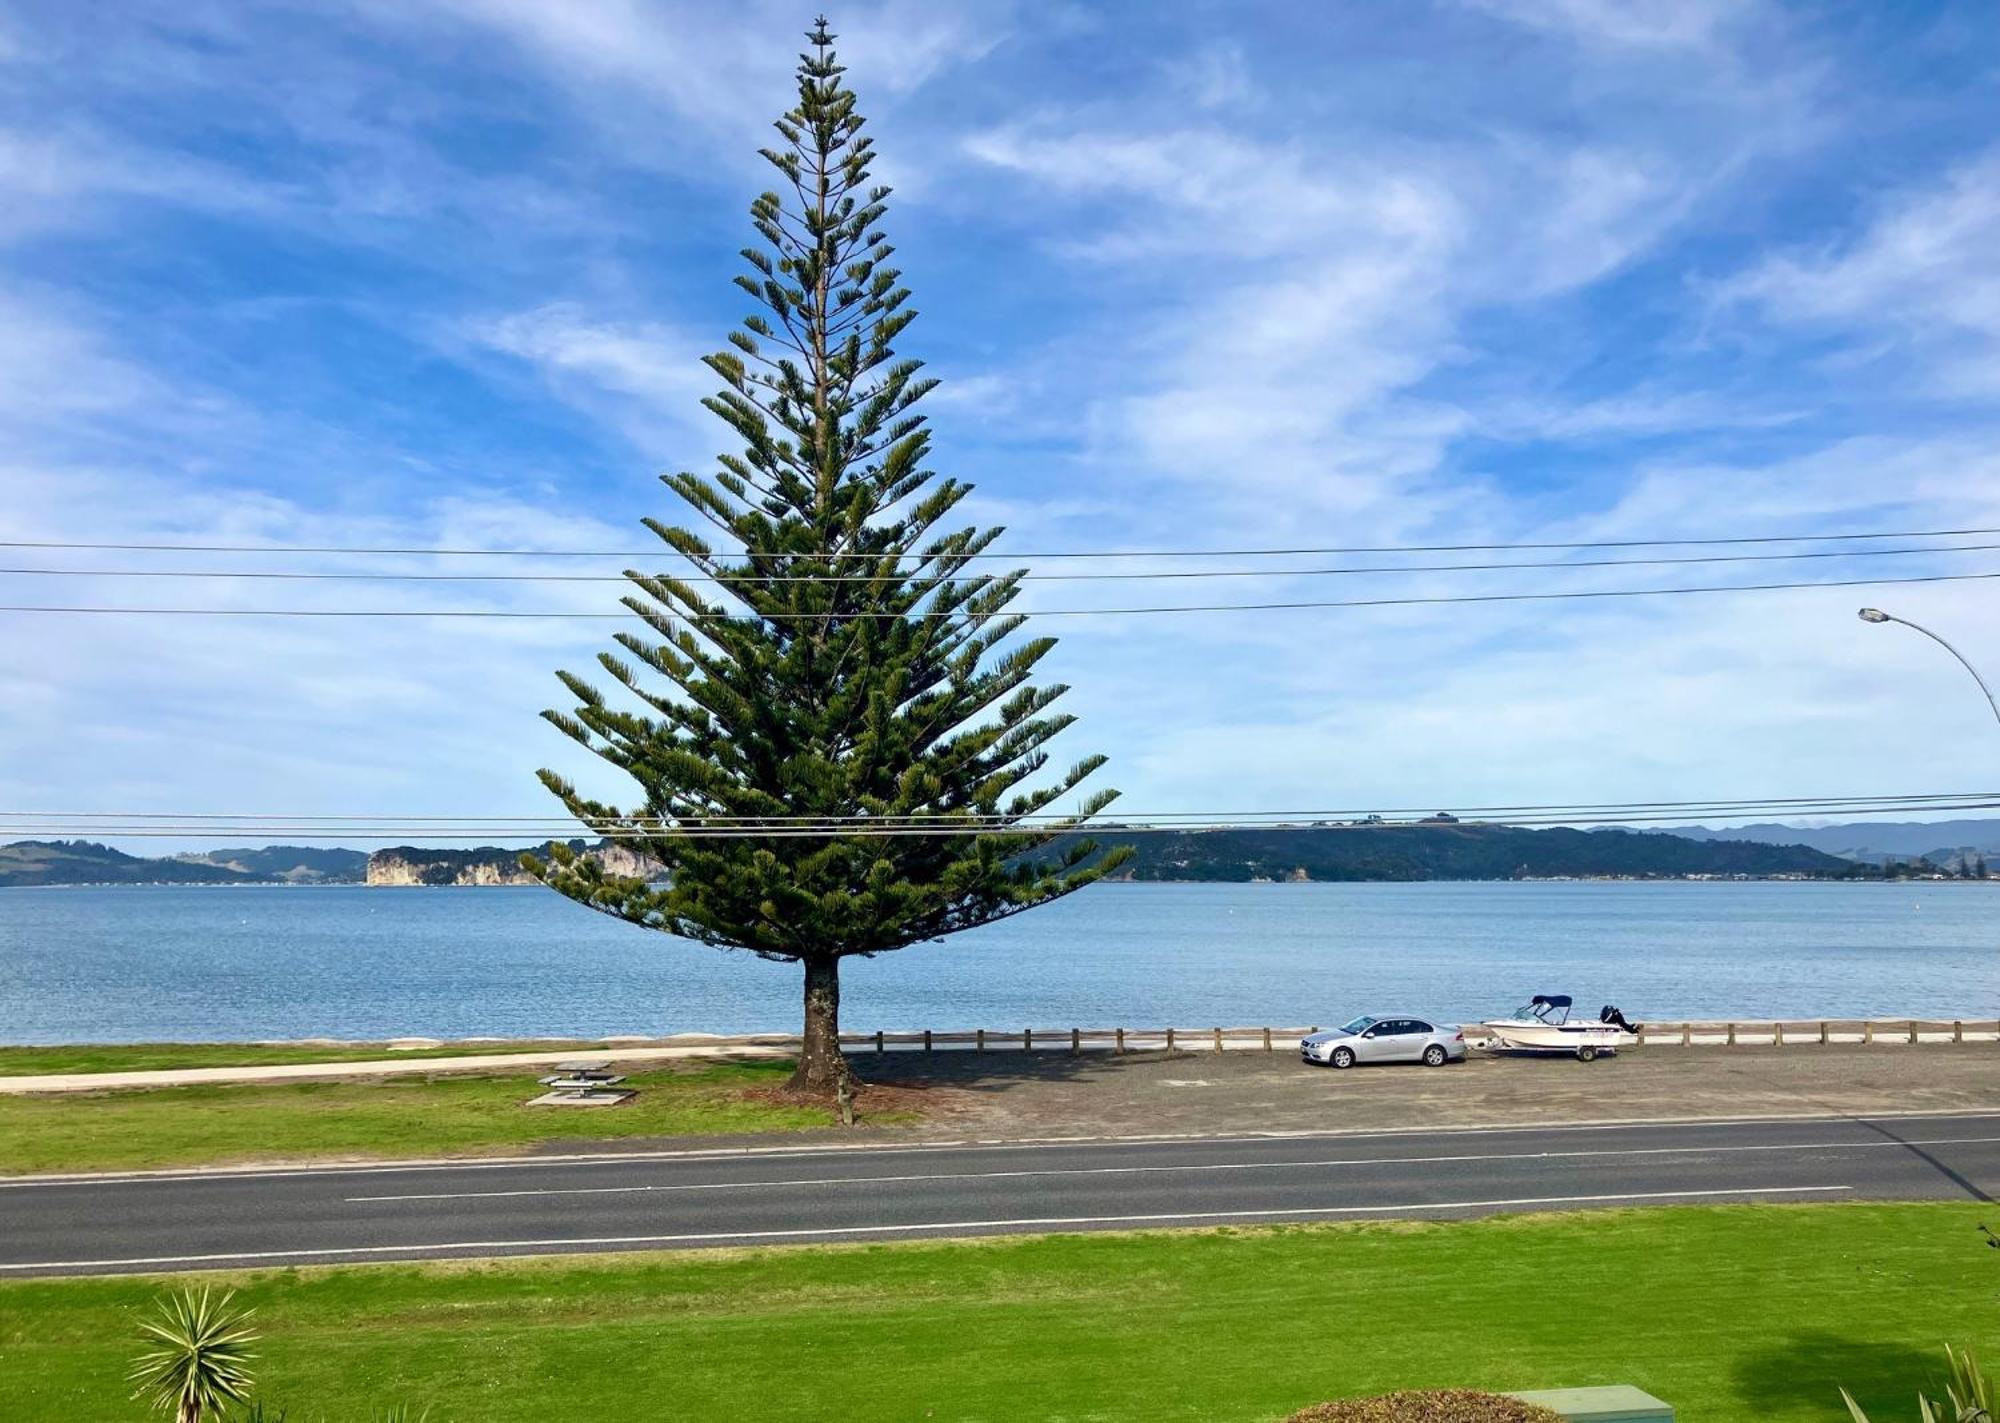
1013, 1094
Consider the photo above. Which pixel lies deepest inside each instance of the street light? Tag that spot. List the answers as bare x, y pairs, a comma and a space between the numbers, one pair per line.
1876, 615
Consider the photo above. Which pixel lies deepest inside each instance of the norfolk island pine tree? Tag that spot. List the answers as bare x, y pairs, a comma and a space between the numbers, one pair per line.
837, 659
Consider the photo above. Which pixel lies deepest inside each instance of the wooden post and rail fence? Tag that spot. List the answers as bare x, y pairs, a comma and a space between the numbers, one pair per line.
1787, 1032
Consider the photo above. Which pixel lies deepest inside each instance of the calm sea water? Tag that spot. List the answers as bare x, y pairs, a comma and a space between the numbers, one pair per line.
156, 963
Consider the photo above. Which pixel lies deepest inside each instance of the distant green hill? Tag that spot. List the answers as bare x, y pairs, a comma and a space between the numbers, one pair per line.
1458, 852
81, 862
294, 864
32, 862
1875, 840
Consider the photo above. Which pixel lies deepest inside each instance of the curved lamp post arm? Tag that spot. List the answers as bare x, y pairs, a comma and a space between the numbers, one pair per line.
1876, 615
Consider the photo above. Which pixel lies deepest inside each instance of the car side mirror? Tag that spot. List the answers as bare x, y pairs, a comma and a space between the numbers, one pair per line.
1372, 1032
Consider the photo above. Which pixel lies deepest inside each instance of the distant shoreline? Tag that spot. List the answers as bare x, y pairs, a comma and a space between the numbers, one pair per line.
1448, 850
1109, 883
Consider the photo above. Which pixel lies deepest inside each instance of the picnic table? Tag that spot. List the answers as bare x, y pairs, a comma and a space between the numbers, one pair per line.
582, 1077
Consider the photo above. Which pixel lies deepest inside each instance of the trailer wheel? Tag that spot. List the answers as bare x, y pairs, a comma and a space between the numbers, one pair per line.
1586, 1053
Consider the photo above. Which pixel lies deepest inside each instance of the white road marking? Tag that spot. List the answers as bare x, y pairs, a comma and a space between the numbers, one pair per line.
794, 1152
348, 1251
1151, 1170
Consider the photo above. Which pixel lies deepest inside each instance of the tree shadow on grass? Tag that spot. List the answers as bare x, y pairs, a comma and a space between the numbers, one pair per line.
1808, 1369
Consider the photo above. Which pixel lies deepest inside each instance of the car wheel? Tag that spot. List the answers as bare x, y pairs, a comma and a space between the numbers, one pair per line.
1342, 1057
1586, 1053
1435, 1055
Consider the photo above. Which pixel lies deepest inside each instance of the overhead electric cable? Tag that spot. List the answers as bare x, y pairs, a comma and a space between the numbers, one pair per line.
1749, 805
371, 550
776, 827
921, 615
318, 576
1110, 828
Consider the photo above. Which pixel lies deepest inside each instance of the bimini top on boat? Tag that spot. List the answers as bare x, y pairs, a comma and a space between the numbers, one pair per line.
1543, 1024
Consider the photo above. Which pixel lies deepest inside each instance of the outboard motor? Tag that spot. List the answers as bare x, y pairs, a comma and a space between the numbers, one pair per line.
1610, 1014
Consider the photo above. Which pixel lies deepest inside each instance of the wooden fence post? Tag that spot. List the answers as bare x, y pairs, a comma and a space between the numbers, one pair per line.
1825, 1034
1267, 1040
1730, 1041
1075, 1041
1170, 1039
979, 1040
880, 1046
1957, 1031
1218, 1040
1027, 1040
927, 1039
1121, 1042
1687, 1034
1913, 1030
1777, 1035
1868, 1030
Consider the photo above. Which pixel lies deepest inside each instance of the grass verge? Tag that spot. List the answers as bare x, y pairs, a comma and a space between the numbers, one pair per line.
1739, 1312
158, 1057
390, 1117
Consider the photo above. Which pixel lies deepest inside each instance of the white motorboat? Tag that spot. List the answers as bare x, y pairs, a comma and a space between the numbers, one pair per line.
1543, 1024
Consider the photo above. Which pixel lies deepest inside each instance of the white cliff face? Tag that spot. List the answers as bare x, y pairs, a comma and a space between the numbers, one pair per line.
624, 860
404, 866
487, 873
387, 867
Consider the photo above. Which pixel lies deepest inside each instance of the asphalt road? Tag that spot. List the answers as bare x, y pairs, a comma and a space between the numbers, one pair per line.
455, 1210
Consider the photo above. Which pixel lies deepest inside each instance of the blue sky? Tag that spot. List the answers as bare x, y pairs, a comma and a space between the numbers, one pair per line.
438, 272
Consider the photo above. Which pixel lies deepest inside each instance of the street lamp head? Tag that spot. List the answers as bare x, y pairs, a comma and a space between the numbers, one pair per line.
1876, 615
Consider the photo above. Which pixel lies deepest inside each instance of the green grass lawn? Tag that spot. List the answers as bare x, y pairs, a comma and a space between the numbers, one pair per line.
400, 1116
1743, 1312
153, 1057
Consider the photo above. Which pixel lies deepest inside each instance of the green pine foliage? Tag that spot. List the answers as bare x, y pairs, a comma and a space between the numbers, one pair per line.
838, 655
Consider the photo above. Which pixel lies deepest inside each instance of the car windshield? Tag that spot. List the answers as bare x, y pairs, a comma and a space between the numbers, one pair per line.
1359, 1025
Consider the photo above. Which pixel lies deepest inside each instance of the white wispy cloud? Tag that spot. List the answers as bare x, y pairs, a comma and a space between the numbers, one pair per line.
646, 378
626, 62
52, 180
1637, 24
1330, 287
1919, 277
53, 368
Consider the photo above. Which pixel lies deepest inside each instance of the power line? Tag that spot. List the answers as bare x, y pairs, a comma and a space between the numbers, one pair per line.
372, 550
921, 615
1107, 830
1733, 807
805, 828
1152, 575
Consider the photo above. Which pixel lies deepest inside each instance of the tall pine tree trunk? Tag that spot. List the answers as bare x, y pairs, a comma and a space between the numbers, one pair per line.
821, 1066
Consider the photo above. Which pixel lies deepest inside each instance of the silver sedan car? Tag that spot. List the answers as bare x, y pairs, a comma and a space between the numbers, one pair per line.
1386, 1039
